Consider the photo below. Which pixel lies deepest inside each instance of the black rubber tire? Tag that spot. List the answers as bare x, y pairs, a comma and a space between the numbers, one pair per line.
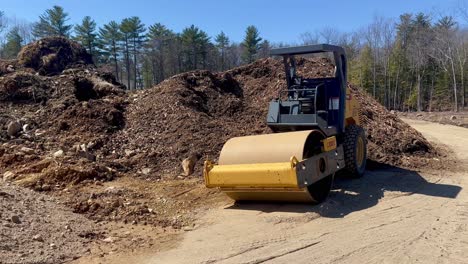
319, 191
350, 146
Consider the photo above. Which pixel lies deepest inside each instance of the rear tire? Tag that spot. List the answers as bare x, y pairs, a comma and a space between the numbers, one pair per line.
355, 151
319, 191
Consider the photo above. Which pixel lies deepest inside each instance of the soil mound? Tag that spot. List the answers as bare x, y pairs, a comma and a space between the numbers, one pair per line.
66, 117
195, 113
389, 139
52, 55
179, 118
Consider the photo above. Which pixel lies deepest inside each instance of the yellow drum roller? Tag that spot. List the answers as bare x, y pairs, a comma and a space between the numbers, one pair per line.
318, 134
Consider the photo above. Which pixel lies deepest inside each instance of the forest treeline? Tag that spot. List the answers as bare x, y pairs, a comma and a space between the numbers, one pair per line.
414, 62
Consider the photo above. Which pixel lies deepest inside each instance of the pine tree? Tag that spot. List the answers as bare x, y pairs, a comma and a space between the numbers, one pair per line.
251, 44
133, 30
365, 73
138, 38
204, 47
13, 43
52, 23
159, 38
109, 37
86, 34
195, 43
264, 50
222, 43
125, 28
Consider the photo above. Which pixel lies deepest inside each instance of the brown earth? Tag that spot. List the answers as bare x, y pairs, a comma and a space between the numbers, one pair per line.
70, 130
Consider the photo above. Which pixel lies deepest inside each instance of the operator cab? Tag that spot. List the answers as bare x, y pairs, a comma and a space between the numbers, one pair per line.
310, 101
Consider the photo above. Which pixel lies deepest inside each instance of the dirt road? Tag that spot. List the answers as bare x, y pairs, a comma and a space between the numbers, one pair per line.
389, 216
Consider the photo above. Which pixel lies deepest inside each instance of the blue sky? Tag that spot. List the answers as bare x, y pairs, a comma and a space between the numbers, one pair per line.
277, 21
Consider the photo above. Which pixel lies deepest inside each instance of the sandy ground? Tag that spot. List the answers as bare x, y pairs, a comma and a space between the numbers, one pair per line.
389, 216
447, 118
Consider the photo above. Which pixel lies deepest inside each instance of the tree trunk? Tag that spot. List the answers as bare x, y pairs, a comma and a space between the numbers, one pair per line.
127, 62
195, 58
374, 78
90, 47
114, 55
222, 58
154, 68
462, 77
418, 104
121, 73
397, 79
360, 76
455, 95
135, 64
431, 93
161, 63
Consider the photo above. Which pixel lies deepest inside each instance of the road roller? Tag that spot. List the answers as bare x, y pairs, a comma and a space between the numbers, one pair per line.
316, 133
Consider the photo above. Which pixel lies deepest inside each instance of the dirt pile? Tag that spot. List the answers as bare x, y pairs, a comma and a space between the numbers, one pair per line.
194, 113
179, 118
52, 55
389, 139
53, 127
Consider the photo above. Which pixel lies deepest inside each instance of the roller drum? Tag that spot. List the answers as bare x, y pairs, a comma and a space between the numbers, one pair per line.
262, 167
269, 148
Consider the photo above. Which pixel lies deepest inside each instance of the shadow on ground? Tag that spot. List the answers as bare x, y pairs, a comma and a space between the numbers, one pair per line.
350, 195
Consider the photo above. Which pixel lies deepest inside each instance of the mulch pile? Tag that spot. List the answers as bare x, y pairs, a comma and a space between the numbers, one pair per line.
52, 55
192, 115
389, 139
57, 111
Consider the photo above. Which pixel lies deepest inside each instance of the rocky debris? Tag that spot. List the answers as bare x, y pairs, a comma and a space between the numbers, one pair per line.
13, 128
27, 150
188, 164
58, 154
7, 66
109, 239
15, 219
8, 175
38, 238
86, 155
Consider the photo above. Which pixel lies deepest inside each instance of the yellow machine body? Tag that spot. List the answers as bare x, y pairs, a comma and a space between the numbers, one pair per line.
267, 173
352, 110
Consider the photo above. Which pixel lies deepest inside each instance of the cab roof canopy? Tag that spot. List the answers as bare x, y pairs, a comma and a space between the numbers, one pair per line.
307, 50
